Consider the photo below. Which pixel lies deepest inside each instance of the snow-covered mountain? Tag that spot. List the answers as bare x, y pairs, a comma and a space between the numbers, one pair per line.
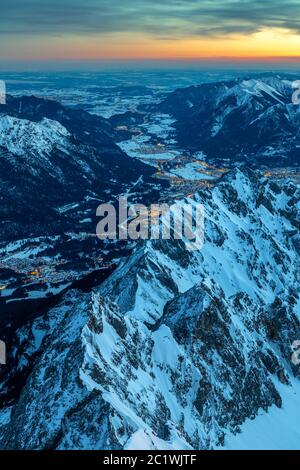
176, 349
252, 120
22, 137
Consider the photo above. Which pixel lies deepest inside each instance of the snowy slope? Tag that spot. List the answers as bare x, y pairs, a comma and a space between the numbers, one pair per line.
276, 430
22, 137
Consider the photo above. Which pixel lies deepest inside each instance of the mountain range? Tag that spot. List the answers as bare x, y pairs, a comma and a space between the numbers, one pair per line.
147, 345
252, 120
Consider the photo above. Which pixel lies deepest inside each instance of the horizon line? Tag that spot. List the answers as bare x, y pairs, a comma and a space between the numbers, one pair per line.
71, 64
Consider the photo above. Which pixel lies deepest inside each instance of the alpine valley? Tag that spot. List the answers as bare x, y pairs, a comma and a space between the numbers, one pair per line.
144, 344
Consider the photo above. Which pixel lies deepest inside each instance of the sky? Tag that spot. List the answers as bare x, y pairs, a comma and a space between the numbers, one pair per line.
88, 30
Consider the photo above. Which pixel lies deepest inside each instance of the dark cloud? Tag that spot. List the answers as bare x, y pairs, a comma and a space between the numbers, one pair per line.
160, 18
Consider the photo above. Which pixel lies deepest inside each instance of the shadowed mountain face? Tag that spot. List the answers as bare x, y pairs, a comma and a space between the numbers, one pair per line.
253, 120
52, 156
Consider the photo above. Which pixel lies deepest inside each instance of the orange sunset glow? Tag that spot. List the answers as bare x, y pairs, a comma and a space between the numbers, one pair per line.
268, 43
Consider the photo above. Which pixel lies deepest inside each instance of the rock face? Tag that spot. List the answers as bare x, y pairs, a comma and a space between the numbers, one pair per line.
250, 120
176, 349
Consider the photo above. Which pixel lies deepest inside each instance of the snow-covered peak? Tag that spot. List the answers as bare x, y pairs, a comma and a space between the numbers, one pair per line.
274, 88
23, 137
